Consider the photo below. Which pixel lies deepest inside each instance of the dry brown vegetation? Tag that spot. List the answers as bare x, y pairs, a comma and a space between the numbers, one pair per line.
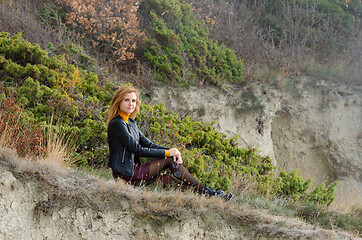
230, 22
29, 139
296, 52
109, 27
22, 16
25, 137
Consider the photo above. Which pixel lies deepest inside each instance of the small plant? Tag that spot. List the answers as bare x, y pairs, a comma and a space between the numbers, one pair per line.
249, 102
322, 194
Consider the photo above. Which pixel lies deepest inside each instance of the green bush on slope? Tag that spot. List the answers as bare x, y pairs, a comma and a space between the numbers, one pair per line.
210, 156
50, 88
179, 49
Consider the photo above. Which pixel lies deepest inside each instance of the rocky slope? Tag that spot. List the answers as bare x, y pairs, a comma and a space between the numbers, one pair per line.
42, 200
314, 126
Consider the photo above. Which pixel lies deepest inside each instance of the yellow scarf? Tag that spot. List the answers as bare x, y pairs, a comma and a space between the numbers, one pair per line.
124, 115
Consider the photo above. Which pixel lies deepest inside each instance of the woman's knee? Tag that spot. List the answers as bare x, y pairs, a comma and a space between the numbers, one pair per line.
167, 162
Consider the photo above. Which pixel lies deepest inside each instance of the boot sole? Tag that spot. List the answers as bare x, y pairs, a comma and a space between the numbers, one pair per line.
228, 196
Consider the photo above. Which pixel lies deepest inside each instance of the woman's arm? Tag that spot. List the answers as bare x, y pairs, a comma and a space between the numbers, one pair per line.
118, 131
147, 143
173, 152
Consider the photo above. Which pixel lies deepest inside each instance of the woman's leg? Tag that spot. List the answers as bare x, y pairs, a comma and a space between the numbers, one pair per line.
167, 179
157, 166
153, 169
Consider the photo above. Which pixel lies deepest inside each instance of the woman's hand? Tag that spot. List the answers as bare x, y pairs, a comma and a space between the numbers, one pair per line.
175, 153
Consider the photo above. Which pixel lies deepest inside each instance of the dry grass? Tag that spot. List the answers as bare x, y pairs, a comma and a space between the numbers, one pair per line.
7, 138
49, 144
234, 23
59, 148
350, 197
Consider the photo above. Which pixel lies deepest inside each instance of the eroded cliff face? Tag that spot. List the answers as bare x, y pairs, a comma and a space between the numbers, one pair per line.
40, 200
313, 126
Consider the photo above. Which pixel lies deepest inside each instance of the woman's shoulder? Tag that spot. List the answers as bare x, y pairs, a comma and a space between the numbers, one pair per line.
132, 122
117, 120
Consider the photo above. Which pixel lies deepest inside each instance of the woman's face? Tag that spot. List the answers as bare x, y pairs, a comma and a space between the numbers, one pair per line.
128, 104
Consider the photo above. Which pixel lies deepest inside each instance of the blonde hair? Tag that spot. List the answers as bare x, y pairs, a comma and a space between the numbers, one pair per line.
117, 98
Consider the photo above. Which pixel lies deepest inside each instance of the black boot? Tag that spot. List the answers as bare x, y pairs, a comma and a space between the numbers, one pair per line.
208, 191
228, 196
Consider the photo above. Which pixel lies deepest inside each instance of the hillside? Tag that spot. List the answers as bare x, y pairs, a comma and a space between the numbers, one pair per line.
262, 97
42, 200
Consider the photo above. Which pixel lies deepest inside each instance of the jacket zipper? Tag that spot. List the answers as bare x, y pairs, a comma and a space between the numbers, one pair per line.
124, 153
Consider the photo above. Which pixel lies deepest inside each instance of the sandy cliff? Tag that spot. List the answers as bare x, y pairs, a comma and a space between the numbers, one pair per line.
314, 126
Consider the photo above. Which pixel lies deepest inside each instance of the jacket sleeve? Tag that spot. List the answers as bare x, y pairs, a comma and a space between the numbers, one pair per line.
147, 143
120, 131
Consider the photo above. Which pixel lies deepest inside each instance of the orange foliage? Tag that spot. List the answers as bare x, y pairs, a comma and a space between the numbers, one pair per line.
16, 132
112, 25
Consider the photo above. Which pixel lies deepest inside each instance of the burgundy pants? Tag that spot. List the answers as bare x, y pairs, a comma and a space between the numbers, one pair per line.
140, 173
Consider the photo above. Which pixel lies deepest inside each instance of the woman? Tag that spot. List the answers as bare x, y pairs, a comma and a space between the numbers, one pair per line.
127, 143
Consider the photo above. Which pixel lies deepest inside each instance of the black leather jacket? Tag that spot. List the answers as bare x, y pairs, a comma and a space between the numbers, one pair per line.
127, 143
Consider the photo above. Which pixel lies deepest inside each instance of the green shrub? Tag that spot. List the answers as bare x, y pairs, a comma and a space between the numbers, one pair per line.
50, 88
291, 184
208, 154
178, 40
322, 194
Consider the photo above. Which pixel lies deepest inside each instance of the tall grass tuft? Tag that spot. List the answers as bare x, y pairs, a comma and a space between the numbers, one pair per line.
6, 138
59, 148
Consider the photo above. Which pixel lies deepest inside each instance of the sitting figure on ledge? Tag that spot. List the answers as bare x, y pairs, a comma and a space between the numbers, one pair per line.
127, 143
